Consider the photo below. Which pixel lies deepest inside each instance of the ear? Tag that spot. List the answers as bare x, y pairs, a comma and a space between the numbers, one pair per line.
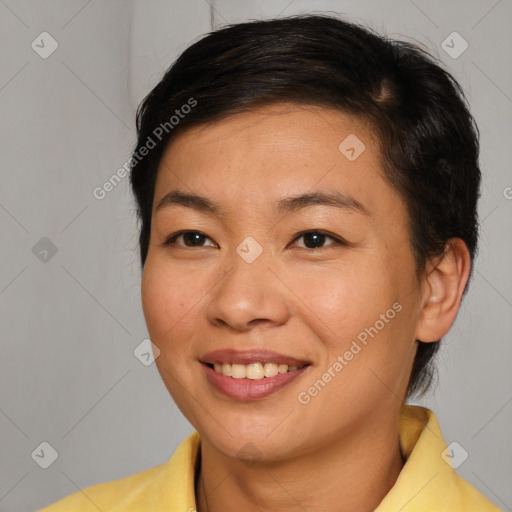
445, 280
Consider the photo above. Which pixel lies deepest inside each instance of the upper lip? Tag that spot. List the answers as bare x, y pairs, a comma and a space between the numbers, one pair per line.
249, 356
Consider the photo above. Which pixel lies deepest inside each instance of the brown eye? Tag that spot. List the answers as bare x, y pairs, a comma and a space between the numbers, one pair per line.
187, 239
316, 239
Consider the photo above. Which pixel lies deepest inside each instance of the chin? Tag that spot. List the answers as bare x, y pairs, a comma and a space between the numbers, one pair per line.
249, 441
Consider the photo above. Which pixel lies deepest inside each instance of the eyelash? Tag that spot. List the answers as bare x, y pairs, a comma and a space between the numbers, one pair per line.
171, 240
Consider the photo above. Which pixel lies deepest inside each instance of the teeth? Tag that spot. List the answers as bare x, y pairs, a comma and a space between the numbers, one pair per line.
238, 371
270, 370
226, 370
253, 371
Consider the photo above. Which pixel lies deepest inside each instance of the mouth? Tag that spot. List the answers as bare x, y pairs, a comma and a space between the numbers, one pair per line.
251, 375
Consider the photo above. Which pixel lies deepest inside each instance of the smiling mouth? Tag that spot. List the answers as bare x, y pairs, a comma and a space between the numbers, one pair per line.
254, 370
251, 374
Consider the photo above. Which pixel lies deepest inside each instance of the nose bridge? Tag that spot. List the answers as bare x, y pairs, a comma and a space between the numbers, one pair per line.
249, 293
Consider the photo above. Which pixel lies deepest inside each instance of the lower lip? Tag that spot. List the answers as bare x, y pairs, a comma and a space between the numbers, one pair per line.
248, 389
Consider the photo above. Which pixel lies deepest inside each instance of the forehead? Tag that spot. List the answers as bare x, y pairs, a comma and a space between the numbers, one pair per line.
276, 151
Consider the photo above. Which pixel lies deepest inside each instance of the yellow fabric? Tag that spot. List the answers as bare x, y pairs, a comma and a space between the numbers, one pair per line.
425, 484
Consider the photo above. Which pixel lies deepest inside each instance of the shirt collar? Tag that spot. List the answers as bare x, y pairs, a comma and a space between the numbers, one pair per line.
427, 481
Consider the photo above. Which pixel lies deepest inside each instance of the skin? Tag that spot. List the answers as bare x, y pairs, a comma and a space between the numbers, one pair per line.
303, 302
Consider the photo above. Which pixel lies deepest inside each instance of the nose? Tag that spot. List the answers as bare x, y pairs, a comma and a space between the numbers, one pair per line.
249, 295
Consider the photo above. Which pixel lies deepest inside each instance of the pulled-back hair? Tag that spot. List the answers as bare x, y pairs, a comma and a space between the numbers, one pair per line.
428, 138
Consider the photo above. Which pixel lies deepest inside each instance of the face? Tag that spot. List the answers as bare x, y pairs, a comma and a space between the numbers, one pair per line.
272, 245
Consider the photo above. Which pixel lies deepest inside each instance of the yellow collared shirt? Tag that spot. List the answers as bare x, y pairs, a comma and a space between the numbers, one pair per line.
427, 483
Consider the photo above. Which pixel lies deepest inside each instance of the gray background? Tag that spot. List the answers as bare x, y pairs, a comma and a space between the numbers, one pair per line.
70, 323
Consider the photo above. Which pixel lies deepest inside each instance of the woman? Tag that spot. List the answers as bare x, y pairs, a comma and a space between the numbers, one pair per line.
307, 192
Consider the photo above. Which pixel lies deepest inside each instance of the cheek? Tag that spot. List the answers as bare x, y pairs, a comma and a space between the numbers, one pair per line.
156, 300
167, 301
361, 312
343, 299
170, 307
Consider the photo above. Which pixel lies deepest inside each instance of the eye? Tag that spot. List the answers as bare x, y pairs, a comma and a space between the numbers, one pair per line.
188, 238
315, 239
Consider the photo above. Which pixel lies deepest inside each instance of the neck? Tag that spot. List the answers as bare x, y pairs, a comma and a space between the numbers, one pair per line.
352, 474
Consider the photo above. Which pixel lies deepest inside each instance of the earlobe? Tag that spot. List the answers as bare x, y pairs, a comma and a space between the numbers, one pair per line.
445, 281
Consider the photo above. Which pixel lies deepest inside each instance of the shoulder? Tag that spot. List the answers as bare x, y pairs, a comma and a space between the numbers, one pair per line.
156, 488
428, 480
107, 495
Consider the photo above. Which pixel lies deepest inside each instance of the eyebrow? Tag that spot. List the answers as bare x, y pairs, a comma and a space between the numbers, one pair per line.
284, 205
